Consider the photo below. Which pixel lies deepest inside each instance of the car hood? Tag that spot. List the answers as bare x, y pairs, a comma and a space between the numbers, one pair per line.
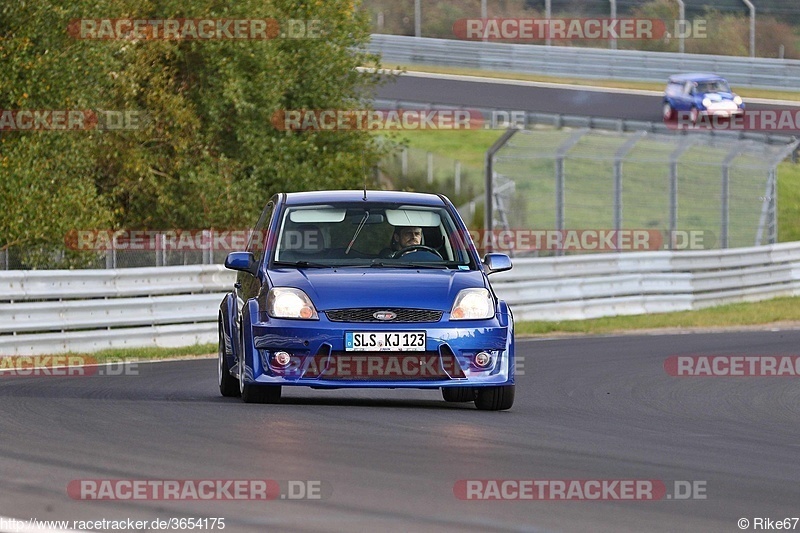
717, 97
378, 287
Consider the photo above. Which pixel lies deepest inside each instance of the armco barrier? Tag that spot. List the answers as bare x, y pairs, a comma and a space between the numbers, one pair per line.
49, 312
58, 311
579, 62
590, 286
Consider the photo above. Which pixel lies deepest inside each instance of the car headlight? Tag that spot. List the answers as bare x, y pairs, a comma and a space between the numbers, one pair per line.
287, 302
472, 304
706, 102
737, 99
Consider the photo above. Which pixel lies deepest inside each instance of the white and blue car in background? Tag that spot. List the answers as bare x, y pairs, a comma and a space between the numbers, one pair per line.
695, 95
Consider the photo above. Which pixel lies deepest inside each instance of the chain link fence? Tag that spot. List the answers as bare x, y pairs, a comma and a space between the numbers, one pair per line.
546, 179
722, 188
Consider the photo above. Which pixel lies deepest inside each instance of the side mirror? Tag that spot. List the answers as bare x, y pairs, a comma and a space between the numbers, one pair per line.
242, 261
497, 263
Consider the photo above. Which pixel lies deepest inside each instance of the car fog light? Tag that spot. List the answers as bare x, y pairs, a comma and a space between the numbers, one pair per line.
483, 359
281, 358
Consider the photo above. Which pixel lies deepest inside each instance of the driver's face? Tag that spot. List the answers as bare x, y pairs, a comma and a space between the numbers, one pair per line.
409, 237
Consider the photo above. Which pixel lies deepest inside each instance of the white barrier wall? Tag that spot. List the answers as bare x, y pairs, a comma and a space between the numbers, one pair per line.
590, 286
59, 311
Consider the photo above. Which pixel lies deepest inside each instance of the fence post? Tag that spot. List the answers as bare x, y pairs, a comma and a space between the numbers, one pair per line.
725, 196
622, 151
488, 212
430, 167
417, 18
561, 154
673, 189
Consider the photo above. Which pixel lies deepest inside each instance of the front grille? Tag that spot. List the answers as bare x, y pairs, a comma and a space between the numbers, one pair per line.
366, 315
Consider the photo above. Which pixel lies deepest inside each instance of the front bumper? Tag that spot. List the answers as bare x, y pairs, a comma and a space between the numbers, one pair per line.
723, 109
319, 359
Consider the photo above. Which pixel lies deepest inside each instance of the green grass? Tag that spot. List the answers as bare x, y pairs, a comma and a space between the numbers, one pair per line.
148, 354
733, 315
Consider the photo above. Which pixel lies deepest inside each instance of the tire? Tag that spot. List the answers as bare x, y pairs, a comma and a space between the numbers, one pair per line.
667, 111
458, 394
495, 398
261, 393
228, 385
257, 393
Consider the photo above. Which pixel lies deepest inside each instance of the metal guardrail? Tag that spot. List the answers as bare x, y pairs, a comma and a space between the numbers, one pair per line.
59, 311
587, 63
83, 311
590, 286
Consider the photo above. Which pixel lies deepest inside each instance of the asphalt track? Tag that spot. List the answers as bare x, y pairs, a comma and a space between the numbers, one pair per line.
542, 98
587, 408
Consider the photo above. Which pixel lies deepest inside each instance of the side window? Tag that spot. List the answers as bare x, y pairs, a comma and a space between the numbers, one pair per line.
674, 89
258, 237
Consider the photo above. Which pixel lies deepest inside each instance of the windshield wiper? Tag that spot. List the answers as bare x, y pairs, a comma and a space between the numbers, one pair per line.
300, 264
385, 264
358, 230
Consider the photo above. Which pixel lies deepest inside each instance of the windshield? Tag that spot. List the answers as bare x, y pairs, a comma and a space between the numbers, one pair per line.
716, 86
373, 235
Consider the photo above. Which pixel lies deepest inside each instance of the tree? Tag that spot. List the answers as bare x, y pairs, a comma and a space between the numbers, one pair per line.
204, 152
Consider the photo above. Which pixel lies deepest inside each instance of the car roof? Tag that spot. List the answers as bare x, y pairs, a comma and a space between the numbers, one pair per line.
312, 197
695, 76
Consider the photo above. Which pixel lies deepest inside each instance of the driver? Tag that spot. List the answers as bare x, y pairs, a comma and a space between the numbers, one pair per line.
403, 237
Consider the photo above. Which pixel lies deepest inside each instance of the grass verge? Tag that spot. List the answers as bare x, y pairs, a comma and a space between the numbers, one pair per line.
778, 310
148, 354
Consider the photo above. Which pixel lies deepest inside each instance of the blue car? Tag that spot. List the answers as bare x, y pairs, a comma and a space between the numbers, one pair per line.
695, 95
382, 289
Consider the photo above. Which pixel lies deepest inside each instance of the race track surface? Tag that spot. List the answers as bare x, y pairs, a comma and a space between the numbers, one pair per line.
605, 103
587, 408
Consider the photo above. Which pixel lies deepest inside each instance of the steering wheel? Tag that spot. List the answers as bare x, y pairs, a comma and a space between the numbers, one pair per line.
416, 247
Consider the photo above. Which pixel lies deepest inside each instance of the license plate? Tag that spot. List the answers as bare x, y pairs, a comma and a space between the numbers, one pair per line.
395, 341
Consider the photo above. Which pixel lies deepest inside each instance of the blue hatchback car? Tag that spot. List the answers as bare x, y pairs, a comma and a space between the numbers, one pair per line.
699, 94
365, 289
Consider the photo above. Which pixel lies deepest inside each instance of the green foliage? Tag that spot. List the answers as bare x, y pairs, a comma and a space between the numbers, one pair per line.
205, 153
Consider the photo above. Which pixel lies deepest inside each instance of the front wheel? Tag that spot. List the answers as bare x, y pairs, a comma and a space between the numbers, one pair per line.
495, 398
261, 393
257, 393
458, 394
667, 111
228, 385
